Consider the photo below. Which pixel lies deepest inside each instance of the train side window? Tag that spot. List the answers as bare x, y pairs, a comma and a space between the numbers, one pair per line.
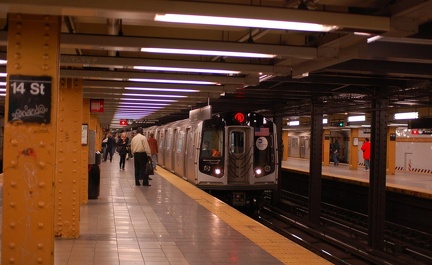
237, 139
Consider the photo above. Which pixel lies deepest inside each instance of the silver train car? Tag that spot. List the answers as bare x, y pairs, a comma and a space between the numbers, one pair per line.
233, 155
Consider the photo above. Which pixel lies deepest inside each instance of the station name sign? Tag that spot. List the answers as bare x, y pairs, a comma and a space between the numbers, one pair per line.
29, 99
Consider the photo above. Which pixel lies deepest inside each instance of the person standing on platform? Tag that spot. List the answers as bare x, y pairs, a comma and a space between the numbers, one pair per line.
366, 153
154, 149
122, 144
141, 153
109, 143
335, 150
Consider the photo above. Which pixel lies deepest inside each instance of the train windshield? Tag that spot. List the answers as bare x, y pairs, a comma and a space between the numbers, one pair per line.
237, 139
212, 143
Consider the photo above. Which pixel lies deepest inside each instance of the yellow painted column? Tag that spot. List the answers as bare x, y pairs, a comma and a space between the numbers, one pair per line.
326, 147
354, 141
84, 156
30, 138
285, 144
68, 175
391, 151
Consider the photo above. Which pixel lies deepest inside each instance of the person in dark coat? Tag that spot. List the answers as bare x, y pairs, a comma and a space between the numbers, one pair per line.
109, 143
122, 149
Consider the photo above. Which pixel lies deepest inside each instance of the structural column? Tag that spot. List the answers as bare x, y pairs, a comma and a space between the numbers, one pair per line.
68, 173
84, 152
377, 177
30, 138
354, 141
391, 151
315, 164
278, 119
326, 148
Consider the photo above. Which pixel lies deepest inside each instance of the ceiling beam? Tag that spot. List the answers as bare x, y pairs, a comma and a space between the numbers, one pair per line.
134, 44
128, 9
122, 62
125, 75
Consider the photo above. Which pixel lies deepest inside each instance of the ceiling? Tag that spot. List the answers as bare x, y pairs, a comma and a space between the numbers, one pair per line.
101, 43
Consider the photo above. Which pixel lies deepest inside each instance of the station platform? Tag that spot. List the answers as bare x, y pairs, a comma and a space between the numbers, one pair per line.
170, 222
416, 184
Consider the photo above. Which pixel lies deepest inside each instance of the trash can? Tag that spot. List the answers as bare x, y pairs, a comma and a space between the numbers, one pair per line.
94, 178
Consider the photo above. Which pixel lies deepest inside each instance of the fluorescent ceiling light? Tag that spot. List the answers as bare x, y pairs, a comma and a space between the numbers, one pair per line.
189, 70
325, 121
294, 123
244, 22
162, 89
3, 61
126, 104
149, 100
406, 115
356, 118
3, 84
172, 81
208, 52
374, 38
153, 95
3, 74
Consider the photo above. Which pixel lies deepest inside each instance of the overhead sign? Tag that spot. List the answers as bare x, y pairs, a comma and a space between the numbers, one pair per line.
29, 99
123, 122
96, 105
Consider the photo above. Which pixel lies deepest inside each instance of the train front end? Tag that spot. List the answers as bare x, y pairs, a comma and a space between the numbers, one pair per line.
238, 160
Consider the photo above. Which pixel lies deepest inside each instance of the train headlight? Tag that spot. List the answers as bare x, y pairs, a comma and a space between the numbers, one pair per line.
217, 171
207, 168
258, 171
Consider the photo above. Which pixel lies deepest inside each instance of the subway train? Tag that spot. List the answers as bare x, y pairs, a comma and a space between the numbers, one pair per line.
232, 155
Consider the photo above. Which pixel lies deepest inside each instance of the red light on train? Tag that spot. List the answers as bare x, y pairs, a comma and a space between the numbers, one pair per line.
239, 117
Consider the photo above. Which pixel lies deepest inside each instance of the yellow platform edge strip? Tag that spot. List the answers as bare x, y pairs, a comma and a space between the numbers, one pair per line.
275, 244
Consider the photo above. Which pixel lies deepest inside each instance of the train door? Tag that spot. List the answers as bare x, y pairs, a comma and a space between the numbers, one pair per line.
188, 155
162, 146
239, 156
173, 150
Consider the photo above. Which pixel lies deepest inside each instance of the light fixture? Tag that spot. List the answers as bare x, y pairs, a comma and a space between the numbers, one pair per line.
3, 74
374, 38
149, 100
244, 22
356, 118
169, 81
161, 89
406, 115
294, 123
3, 61
189, 70
153, 95
208, 52
325, 121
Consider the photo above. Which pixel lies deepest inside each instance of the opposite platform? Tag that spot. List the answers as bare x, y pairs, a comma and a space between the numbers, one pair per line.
171, 222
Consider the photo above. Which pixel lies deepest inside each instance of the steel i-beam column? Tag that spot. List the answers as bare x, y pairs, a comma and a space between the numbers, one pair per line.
84, 156
377, 177
30, 138
315, 165
68, 146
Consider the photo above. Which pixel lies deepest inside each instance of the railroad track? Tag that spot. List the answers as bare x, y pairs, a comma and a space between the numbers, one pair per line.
342, 235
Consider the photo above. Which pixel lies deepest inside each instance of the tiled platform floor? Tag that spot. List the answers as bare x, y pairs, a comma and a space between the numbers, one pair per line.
170, 223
